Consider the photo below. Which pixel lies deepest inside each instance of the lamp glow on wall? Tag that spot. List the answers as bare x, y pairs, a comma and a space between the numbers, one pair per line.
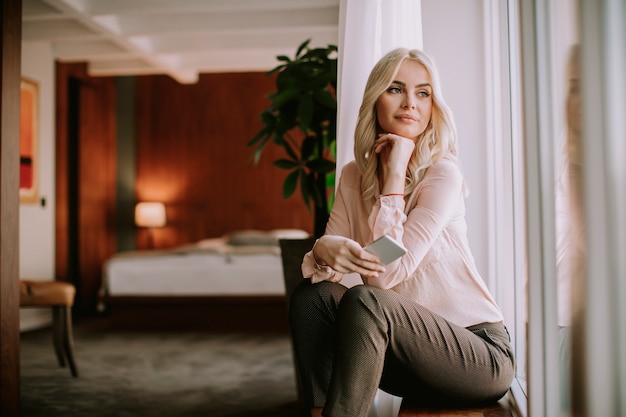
150, 215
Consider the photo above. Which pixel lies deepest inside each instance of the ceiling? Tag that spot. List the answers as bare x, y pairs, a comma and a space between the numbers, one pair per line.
180, 38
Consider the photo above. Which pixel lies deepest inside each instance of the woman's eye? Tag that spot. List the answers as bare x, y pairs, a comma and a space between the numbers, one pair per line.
423, 94
394, 90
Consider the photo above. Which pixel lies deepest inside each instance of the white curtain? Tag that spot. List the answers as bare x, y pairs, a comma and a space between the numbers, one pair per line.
367, 30
600, 332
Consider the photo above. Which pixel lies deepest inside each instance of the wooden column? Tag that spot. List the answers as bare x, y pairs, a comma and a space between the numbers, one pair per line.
10, 57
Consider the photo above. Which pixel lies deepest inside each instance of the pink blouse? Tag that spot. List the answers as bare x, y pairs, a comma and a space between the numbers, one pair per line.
438, 271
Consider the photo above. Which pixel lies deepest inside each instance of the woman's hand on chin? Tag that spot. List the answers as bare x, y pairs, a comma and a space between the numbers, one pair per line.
394, 152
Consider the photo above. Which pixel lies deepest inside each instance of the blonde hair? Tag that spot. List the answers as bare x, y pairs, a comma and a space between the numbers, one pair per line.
437, 141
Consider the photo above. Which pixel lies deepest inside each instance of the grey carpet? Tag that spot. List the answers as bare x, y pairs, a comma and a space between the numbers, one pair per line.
177, 374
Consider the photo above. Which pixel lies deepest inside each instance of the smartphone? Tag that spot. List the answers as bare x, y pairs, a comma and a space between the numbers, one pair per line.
387, 249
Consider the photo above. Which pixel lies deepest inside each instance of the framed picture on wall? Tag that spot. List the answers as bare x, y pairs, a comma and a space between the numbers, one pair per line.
29, 141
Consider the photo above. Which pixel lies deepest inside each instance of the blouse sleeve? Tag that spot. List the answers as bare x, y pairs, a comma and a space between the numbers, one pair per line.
439, 197
318, 273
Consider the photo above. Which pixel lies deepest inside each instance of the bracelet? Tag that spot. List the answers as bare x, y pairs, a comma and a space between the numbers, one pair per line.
393, 195
317, 265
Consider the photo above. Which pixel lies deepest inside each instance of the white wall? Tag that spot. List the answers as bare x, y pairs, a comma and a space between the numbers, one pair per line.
453, 36
37, 221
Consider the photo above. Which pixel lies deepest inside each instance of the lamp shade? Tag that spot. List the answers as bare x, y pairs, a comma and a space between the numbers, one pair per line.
150, 214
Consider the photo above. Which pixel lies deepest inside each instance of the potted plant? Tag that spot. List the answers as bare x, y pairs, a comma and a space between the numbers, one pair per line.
302, 119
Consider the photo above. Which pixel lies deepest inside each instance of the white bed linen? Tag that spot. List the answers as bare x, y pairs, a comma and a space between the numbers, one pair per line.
207, 268
195, 274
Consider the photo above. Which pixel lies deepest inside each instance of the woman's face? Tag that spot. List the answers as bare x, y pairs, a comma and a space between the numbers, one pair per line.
406, 106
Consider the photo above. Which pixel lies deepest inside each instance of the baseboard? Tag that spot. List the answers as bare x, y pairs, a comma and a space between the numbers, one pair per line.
218, 314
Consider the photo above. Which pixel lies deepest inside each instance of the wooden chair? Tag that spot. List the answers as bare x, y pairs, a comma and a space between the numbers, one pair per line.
60, 297
292, 251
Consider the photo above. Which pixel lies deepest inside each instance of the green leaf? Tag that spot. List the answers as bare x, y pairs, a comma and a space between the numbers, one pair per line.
256, 155
292, 154
309, 146
263, 133
305, 112
279, 139
286, 119
330, 184
284, 97
261, 140
302, 46
290, 184
314, 192
285, 78
305, 186
286, 163
322, 166
275, 69
333, 148
325, 98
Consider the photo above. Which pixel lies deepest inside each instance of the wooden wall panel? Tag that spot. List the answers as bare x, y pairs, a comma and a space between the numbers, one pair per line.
192, 155
96, 234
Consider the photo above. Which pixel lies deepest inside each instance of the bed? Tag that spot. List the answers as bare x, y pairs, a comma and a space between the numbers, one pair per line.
233, 282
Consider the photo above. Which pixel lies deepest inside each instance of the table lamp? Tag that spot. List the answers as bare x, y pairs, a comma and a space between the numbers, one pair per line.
150, 215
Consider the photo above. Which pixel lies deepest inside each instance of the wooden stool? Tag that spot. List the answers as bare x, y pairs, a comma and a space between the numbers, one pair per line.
60, 297
502, 408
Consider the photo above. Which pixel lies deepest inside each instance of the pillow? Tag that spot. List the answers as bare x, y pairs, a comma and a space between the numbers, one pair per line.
211, 243
251, 238
290, 234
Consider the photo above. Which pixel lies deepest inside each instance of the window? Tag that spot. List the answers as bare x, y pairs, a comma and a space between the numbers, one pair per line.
530, 44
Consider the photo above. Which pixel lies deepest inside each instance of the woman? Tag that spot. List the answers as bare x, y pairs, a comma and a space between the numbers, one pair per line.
423, 327
570, 250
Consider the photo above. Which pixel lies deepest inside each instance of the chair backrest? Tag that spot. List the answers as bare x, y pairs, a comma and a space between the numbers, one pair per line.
292, 252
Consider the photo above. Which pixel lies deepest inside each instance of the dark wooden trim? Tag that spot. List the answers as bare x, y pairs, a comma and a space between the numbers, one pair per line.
10, 55
263, 314
85, 180
73, 184
63, 73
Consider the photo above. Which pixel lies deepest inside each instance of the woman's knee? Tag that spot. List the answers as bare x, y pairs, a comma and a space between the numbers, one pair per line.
359, 296
307, 295
363, 301
306, 292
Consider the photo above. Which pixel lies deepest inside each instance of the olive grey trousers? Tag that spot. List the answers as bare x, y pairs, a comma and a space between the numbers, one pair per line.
350, 342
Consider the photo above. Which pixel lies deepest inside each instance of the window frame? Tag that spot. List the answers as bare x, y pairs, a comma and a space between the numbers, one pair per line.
506, 184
